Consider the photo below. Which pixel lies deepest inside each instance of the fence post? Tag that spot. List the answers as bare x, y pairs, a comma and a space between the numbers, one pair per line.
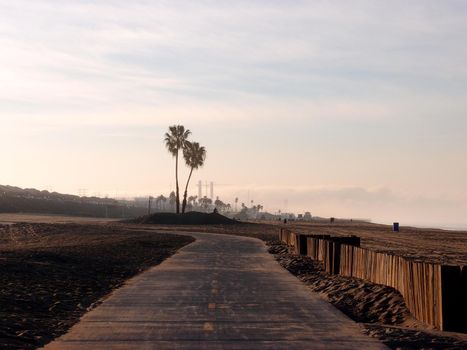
452, 298
336, 261
302, 243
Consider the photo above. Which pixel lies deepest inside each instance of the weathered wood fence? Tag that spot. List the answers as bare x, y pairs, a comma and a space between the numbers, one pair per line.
435, 294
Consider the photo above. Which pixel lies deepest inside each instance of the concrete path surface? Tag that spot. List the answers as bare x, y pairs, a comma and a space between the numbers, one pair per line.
220, 292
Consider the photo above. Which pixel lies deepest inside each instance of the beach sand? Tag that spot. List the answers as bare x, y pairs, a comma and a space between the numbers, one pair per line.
53, 273
56, 269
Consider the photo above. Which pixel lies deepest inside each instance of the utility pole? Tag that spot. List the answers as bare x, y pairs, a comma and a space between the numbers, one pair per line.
149, 205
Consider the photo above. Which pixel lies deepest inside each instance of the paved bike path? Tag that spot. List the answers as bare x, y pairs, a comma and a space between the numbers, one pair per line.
220, 292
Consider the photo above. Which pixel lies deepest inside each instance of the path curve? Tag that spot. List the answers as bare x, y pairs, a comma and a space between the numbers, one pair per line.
220, 292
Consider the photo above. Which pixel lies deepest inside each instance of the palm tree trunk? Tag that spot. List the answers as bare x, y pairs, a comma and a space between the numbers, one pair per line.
176, 184
186, 192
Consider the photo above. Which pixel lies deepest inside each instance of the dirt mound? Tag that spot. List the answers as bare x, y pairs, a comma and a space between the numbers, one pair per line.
190, 218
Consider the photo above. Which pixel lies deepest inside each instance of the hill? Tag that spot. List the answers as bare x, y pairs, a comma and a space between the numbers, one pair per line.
190, 218
18, 200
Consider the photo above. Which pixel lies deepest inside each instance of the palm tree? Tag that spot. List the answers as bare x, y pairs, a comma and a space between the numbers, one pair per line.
175, 140
205, 202
159, 202
194, 155
220, 205
191, 199
172, 201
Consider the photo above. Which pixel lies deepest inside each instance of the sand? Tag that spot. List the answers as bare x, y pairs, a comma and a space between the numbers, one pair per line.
37, 259
53, 273
12, 218
419, 244
429, 245
190, 218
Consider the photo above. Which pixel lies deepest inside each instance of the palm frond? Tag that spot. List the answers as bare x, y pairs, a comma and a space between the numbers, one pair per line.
194, 155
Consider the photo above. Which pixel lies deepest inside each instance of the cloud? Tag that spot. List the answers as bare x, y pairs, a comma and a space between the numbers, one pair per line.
89, 56
378, 204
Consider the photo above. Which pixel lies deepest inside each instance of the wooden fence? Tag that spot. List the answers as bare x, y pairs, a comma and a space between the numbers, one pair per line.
435, 294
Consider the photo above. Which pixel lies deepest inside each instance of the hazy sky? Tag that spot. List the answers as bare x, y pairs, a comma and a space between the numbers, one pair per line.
343, 108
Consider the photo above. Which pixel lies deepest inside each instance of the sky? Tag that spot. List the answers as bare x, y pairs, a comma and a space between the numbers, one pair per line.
349, 109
